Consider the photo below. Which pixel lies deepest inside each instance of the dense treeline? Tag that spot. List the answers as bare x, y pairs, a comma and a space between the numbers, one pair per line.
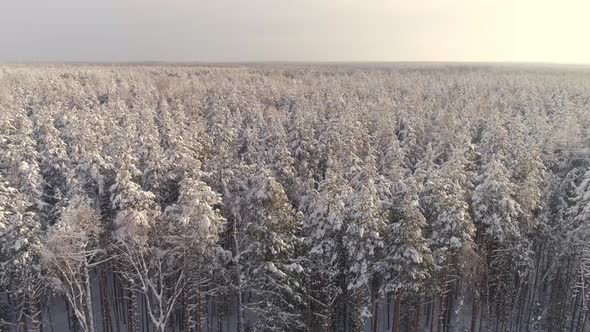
294, 198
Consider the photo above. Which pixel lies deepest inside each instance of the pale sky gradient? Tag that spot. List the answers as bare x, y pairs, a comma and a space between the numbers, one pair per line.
295, 30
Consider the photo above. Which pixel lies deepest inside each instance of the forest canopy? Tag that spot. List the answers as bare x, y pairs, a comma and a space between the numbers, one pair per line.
294, 198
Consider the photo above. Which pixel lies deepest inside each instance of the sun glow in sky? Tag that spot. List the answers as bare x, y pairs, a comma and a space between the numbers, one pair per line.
295, 30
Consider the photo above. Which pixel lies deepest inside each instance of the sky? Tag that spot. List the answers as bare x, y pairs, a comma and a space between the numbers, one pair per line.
548, 31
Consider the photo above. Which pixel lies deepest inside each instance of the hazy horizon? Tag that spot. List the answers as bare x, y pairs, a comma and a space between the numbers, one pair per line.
302, 31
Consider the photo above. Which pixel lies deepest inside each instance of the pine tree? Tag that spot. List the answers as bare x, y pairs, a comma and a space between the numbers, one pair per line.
20, 272
324, 231
193, 226
269, 271
408, 261
365, 223
497, 213
25, 225
54, 167
70, 252
136, 207
493, 200
452, 231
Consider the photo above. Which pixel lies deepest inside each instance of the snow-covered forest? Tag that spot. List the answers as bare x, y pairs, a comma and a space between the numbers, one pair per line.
294, 198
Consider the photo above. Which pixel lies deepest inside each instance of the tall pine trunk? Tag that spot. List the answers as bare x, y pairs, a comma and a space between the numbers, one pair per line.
375, 326
330, 326
135, 310
357, 312
23, 324
117, 305
535, 284
106, 302
449, 304
199, 311
186, 312
132, 321
432, 312
239, 306
582, 327
34, 308
475, 311
396, 313
88, 288
441, 311
417, 316
219, 317
388, 312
